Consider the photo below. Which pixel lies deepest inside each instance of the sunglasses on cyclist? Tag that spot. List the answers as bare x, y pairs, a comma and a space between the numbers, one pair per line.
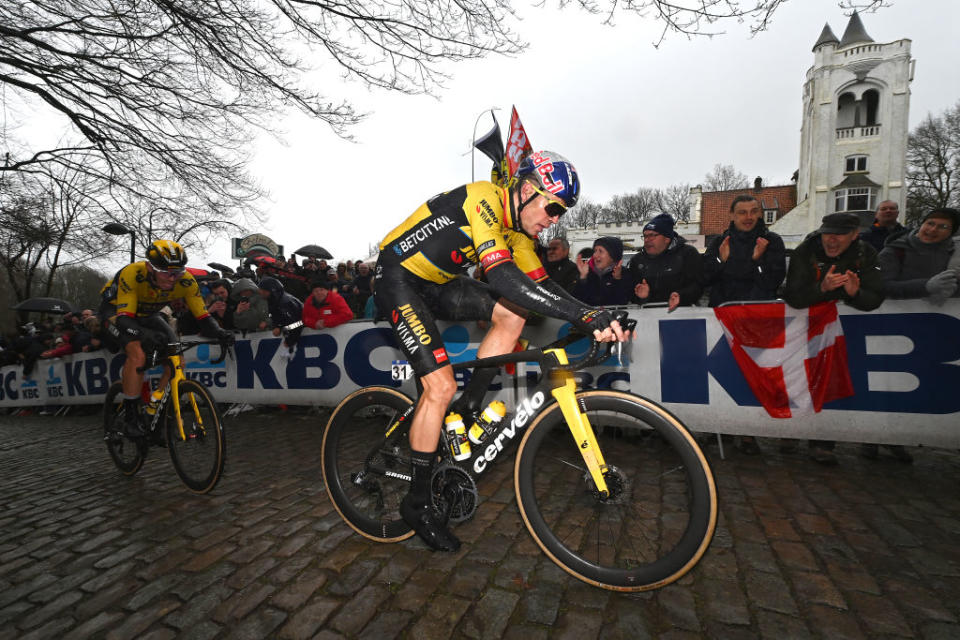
553, 208
171, 273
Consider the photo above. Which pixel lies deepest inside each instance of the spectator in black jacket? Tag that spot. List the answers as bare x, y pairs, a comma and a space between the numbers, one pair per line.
219, 304
747, 261
666, 269
286, 313
884, 225
832, 263
559, 266
602, 280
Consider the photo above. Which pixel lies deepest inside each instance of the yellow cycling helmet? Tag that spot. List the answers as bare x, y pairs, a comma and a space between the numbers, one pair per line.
167, 255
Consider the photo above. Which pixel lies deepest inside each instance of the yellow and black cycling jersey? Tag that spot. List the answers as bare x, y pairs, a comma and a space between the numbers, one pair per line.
132, 294
452, 231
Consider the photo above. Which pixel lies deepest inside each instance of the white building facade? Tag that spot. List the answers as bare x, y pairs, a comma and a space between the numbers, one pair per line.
853, 138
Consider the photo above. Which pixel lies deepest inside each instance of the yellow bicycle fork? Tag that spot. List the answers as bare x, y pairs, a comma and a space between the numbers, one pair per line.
178, 375
565, 391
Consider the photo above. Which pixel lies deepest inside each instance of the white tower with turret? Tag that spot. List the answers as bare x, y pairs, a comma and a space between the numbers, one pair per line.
853, 140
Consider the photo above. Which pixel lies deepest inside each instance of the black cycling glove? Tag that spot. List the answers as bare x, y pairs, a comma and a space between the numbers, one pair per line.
592, 320
226, 338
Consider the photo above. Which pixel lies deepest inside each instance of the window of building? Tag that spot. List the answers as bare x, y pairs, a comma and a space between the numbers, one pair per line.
871, 101
856, 164
855, 199
769, 216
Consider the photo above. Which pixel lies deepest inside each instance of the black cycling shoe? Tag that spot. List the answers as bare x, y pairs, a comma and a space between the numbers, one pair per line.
428, 524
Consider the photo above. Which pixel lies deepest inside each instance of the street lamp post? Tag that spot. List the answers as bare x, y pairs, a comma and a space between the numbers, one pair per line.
117, 229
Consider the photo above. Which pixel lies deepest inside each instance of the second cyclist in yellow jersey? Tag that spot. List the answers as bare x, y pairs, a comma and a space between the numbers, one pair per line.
129, 309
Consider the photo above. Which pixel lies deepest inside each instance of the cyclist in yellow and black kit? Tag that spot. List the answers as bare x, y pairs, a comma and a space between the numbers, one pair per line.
129, 309
419, 277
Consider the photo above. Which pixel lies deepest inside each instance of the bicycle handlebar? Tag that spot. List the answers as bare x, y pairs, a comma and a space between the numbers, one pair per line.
594, 355
180, 348
537, 355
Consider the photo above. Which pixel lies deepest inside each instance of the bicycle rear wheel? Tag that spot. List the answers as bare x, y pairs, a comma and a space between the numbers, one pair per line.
661, 514
366, 462
128, 453
198, 456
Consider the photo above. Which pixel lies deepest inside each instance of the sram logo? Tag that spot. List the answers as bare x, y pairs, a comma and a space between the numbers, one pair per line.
525, 411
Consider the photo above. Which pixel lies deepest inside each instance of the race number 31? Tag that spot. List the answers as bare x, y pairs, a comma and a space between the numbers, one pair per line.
401, 370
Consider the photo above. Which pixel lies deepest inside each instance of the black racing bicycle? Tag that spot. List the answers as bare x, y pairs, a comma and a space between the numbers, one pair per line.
612, 486
185, 420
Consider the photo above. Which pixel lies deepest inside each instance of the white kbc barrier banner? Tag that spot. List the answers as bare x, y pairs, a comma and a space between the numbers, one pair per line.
904, 361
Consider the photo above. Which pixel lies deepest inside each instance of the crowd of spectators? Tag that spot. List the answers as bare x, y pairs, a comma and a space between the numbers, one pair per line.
747, 262
71, 333
258, 298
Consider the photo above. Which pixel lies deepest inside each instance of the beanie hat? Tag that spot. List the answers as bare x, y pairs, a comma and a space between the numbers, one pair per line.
662, 224
614, 246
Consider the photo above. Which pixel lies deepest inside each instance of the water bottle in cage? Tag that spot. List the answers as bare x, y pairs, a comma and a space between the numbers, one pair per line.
487, 422
457, 437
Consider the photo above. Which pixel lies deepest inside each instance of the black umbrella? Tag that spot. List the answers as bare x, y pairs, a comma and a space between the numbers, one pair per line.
45, 305
222, 268
314, 251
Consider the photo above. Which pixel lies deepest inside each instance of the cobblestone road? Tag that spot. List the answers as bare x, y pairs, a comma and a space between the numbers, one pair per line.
864, 550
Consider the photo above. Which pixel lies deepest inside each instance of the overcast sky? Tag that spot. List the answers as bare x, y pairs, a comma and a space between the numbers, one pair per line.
627, 114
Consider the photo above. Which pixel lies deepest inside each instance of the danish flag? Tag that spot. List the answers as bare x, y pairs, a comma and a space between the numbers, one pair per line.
795, 360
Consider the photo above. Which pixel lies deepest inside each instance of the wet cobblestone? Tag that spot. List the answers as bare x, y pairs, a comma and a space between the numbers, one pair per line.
867, 549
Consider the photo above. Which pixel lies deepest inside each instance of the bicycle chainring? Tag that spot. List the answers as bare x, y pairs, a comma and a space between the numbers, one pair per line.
454, 492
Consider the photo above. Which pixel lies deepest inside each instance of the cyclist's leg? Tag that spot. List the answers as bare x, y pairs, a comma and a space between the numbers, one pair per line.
400, 296
505, 329
128, 333
469, 299
160, 333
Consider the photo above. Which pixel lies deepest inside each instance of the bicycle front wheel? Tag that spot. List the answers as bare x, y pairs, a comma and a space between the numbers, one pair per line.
198, 454
366, 462
127, 453
660, 515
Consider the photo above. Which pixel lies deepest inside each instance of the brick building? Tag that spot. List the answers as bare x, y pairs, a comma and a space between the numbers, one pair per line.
713, 207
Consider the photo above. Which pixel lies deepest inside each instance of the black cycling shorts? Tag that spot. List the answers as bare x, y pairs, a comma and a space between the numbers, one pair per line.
413, 304
153, 332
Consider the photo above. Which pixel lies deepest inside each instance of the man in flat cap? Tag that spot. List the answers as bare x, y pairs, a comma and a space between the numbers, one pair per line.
832, 263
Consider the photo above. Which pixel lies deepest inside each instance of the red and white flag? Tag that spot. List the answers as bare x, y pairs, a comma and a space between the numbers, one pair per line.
518, 145
795, 360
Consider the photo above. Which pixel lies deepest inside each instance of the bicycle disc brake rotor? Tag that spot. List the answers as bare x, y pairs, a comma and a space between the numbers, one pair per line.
617, 484
454, 493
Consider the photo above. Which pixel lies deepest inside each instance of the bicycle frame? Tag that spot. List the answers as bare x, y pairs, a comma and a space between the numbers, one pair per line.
175, 362
558, 382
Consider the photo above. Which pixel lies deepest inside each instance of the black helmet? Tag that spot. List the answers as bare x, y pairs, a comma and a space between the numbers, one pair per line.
166, 255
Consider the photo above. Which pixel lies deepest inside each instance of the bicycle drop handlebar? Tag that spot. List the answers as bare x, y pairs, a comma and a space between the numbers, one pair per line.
180, 348
594, 355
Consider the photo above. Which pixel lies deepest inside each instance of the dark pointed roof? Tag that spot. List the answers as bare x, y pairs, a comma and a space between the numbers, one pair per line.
826, 37
855, 33
857, 180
